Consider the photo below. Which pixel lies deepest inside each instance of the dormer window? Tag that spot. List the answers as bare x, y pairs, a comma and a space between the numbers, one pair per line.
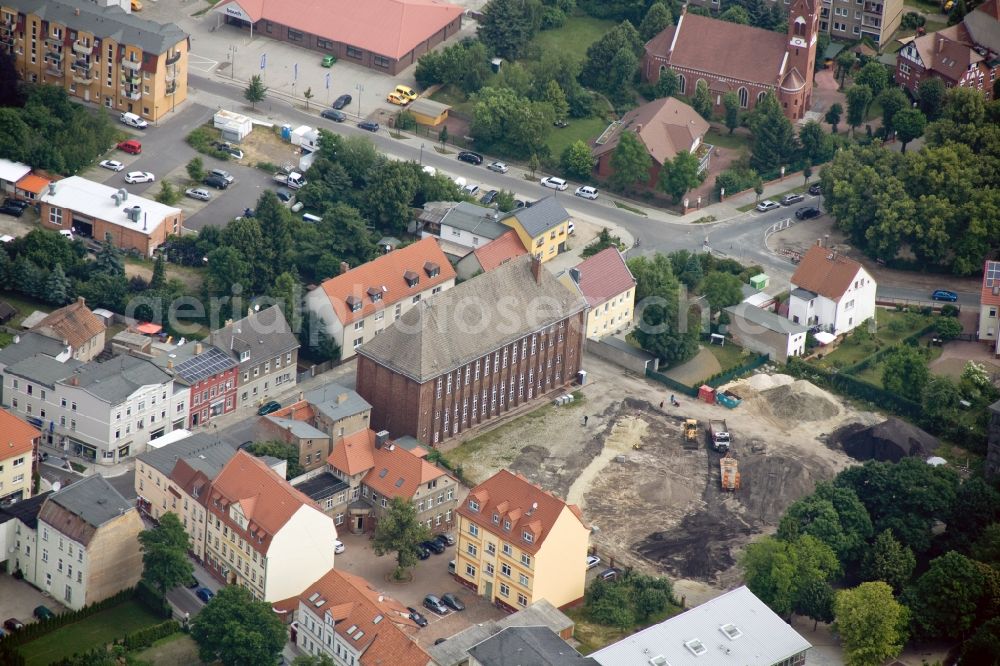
506, 525
473, 505
412, 278
528, 536
244, 356
496, 519
432, 269
375, 294
354, 303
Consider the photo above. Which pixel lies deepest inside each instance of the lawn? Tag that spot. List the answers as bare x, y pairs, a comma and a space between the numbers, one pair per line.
455, 98
98, 629
582, 129
923, 6
593, 636
729, 355
727, 140
177, 648
578, 33
25, 306
873, 373
893, 326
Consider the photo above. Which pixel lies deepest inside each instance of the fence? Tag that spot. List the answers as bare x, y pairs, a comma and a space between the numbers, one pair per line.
675, 385
714, 381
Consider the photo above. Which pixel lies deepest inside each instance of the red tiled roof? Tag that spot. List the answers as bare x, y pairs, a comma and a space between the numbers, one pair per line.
33, 183
824, 272
297, 411
991, 284
392, 470
352, 454
386, 275
246, 479
364, 618
74, 323
500, 250
946, 53
725, 49
390, 28
528, 508
604, 276
665, 126
16, 436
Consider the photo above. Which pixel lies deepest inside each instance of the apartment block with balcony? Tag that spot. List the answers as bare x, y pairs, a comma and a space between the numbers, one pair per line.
102, 55
518, 544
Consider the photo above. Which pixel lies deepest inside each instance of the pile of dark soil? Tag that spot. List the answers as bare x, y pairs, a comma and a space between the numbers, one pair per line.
891, 440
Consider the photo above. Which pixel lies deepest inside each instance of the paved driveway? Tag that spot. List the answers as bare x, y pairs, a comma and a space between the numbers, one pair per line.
18, 599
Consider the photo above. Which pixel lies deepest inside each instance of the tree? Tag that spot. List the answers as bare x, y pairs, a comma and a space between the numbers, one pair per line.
611, 61
731, 102
892, 100
109, 260
226, 268
691, 272
858, 99
502, 118
666, 327
613, 608
813, 140
807, 173
773, 136
507, 26
196, 169
308, 95
874, 75
833, 515
909, 125
815, 601
984, 646
165, 554
680, 175
321, 659
278, 449
930, 96
577, 160
722, 289
947, 328
888, 561
237, 630
557, 98
941, 397
399, 531
603, 241
871, 624
658, 18
245, 236
976, 507
255, 91
905, 372
533, 164
833, 115
945, 600
845, 63
167, 195
702, 100
287, 292
390, 193
443, 135
630, 162
735, 14
777, 571
58, 287
275, 222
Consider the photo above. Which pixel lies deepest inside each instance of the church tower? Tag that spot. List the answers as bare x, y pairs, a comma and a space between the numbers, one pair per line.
795, 88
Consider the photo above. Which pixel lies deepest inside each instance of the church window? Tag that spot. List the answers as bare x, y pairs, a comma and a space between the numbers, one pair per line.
744, 97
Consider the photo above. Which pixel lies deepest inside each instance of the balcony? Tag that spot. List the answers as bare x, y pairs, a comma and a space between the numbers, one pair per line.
132, 78
53, 39
54, 70
171, 75
171, 88
7, 28
84, 77
134, 95
132, 65
174, 58
82, 48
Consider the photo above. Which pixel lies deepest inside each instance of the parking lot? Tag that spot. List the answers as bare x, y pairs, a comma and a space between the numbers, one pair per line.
19, 600
429, 577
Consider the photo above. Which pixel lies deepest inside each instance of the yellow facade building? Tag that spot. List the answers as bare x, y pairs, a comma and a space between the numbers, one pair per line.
98, 54
609, 287
18, 444
518, 544
543, 228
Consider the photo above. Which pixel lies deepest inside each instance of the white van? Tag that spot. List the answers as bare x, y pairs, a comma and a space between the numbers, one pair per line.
133, 120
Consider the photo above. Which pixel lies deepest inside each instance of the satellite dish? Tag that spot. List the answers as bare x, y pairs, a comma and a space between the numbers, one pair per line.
56, 487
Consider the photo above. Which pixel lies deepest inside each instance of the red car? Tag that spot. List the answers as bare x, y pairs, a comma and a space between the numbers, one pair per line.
131, 146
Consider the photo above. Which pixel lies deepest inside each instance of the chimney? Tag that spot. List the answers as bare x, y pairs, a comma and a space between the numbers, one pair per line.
301, 396
536, 269
74, 381
575, 274
170, 364
940, 44
52, 188
344, 267
81, 300
380, 438
341, 398
197, 348
76, 12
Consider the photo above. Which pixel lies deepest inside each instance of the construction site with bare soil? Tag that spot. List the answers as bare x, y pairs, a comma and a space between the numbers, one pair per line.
656, 499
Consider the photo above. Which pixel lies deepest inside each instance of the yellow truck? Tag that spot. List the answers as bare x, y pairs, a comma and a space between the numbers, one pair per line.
730, 473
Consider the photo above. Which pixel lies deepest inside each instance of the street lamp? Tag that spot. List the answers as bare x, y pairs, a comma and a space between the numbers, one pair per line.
232, 62
361, 89
421, 154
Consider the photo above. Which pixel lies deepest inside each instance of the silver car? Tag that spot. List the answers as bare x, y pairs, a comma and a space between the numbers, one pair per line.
499, 167
198, 193
139, 177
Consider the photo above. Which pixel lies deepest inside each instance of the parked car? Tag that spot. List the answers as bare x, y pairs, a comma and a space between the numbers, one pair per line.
499, 167
470, 157
944, 295
268, 407
225, 175
227, 147
807, 213
611, 574
471, 189
204, 594
17, 203
446, 538
338, 546
369, 125
815, 189
554, 183
132, 146
790, 199
193, 584
198, 193
488, 198
433, 546
406, 92
10, 209
439, 641
333, 114
767, 205
218, 182
593, 561
13, 624
397, 99
432, 603
113, 165
43, 613
518, 203
586, 191
453, 602
283, 195
570, 228
422, 553
417, 617
341, 102
139, 177
328, 61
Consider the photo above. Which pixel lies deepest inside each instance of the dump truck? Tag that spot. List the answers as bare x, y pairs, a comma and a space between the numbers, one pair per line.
730, 473
720, 435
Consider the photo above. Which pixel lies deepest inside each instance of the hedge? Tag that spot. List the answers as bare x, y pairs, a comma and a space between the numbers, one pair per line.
149, 635
42, 627
150, 597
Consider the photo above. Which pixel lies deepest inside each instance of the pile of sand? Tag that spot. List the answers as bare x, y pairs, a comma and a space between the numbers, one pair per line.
800, 401
765, 382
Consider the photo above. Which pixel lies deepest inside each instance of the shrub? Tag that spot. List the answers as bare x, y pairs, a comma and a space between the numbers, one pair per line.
405, 121
146, 636
949, 310
736, 179
201, 139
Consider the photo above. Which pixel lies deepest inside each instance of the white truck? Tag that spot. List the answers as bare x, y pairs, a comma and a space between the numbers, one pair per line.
720, 435
293, 180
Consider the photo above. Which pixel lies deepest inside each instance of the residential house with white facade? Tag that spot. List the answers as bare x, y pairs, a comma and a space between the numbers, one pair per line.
766, 332
989, 305
831, 291
609, 287
360, 303
77, 326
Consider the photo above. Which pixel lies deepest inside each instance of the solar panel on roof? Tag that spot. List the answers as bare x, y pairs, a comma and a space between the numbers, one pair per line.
210, 362
992, 273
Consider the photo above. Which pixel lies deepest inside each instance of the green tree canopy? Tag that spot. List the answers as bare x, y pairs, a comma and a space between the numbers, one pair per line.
731, 102
833, 115
237, 630
773, 141
858, 99
816, 601
577, 160
398, 531
666, 327
702, 100
892, 100
930, 95
507, 26
874, 75
945, 600
835, 516
888, 561
165, 554
871, 624
510, 123
777, 571
255, 91
658, 18
909, 125
630, 162
680, 175
606, 66
735, 14
722, 289
905, 372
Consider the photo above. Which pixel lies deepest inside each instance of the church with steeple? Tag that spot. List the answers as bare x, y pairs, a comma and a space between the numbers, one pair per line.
748, 61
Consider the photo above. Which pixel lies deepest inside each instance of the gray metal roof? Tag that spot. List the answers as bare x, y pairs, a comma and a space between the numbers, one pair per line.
93, 499
300, 429
116, 379
104, 22
471, 319
264, 334
322, 486
43, 369
760, 638
28, 345
26, 510
804, 294
543, 215
455, 650
475, 219
765, 318
336, 402
519, 646
203, 452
